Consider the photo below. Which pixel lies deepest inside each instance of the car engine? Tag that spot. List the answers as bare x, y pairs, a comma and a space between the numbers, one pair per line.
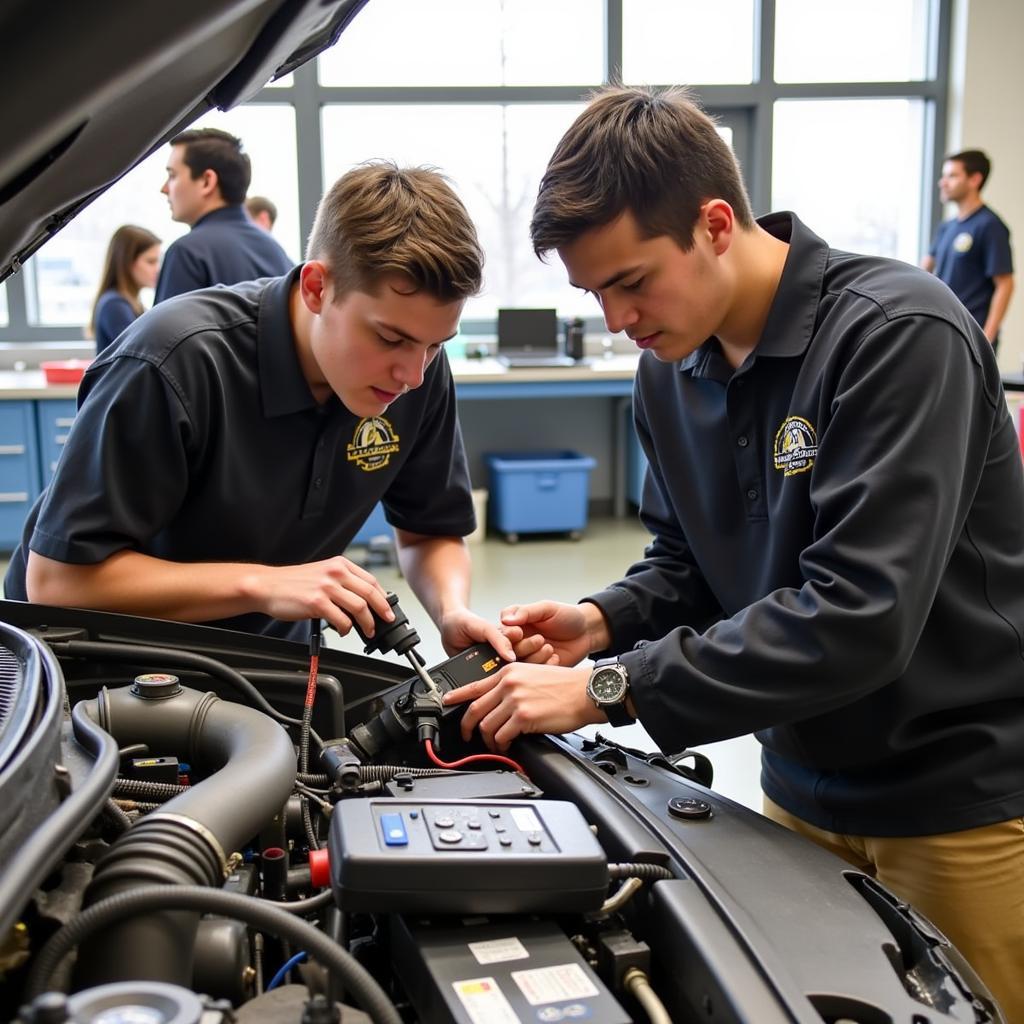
204, 826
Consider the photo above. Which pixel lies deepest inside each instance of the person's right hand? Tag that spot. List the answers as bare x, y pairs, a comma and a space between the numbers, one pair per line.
334, 589
550, 633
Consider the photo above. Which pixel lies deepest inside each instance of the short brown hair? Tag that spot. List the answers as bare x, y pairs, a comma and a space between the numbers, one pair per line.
261, 204
974, 161
379, 219
652, 152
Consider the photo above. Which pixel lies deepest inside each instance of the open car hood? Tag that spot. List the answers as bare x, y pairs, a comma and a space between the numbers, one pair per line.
94, 88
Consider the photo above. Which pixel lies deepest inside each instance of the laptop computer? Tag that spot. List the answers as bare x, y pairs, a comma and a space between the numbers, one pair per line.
529, 338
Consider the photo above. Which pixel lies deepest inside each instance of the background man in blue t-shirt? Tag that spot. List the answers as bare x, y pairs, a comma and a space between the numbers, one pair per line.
971, 252
208, 176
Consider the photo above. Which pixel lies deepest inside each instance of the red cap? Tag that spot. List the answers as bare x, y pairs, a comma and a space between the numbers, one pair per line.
320, 868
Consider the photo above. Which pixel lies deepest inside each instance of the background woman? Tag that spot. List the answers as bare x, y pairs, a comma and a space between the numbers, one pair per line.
133, 262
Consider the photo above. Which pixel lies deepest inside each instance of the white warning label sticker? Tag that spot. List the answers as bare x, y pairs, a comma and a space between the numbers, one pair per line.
497, 951
485, 1002
554, 984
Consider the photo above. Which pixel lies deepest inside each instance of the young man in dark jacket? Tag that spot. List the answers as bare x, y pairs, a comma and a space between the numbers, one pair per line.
835, 494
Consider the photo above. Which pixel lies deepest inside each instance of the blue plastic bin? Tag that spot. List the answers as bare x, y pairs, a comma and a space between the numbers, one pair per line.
636, 469
538, 492
375, 526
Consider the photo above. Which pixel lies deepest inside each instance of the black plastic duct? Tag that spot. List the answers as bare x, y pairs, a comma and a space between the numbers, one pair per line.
247, 762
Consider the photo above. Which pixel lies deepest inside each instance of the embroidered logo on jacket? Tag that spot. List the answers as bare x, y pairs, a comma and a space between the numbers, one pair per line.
373, 444
796, 446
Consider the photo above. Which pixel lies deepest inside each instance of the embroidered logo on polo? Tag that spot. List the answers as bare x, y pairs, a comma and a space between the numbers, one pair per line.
796, 446
373, 444
963, 242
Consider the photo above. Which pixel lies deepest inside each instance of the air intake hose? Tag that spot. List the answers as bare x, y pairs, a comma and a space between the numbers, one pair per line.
247, 764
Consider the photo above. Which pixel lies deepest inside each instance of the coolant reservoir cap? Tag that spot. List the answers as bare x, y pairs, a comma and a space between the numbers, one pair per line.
154, 685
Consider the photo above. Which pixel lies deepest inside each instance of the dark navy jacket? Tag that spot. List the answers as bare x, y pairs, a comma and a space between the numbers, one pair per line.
838, 562
198, 439
224, 247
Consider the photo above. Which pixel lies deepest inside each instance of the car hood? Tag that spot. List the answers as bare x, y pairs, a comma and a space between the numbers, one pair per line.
94, 88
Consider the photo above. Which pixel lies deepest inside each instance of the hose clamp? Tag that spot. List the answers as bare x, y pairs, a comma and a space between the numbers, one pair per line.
200, 830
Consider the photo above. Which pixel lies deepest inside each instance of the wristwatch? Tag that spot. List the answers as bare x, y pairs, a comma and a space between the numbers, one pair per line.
608, 688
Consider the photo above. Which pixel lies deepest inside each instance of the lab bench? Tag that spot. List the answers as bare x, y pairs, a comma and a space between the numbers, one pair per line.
585, 408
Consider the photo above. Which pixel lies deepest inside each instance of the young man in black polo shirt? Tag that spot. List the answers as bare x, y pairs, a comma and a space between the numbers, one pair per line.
835, 495
230, 446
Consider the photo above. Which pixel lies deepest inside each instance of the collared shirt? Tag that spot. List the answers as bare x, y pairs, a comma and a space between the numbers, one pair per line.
223, 247
838, 562
968, 253
198, 439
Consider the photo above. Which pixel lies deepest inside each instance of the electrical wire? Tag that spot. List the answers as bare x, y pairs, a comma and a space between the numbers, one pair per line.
641, 870
473, 759
307, 906
306, 729
636, 982
285, 968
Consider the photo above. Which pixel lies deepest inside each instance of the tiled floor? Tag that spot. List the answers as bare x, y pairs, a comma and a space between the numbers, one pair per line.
565, 570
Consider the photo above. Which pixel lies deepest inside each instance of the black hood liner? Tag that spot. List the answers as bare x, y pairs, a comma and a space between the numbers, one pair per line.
92, 89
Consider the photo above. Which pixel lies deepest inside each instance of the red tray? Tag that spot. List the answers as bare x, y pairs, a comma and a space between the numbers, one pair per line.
64, 371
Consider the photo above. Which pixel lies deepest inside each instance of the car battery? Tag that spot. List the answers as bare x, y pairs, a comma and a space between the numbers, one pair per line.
515, 970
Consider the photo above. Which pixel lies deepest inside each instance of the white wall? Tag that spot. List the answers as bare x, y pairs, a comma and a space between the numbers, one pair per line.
987, 112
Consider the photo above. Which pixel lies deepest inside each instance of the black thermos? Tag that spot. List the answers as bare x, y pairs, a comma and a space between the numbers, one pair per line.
574, 338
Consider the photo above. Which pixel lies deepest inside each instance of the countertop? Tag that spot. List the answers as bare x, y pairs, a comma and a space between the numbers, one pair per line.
32, 384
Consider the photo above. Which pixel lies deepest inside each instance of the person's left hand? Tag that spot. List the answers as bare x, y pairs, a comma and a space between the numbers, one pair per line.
524, 698
462, 628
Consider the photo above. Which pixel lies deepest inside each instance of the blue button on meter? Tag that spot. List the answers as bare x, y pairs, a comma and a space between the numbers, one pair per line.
393, 829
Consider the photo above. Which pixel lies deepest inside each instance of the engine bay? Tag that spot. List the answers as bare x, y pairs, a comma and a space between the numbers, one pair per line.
206, 826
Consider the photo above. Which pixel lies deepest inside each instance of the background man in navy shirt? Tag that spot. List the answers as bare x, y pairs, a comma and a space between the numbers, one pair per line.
231, 445
971, 252
834, 495
208, 176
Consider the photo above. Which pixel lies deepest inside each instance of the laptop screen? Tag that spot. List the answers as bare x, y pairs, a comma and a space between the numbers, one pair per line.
527, 332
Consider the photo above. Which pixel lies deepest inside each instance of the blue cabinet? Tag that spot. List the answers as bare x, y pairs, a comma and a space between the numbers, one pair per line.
19, 468
54, 418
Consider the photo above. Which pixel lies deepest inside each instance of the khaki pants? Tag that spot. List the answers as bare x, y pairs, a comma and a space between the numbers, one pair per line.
970, 884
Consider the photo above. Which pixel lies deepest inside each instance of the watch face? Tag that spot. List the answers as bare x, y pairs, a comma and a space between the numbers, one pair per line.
607, 685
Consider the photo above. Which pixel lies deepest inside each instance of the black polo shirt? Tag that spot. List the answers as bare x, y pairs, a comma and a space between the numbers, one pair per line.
838, 562
198, 439
224, 247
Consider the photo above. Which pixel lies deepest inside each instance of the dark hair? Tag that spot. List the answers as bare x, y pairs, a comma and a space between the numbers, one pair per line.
127, 244
652, 152
379, 219
975, 161
210, 149
261, 204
